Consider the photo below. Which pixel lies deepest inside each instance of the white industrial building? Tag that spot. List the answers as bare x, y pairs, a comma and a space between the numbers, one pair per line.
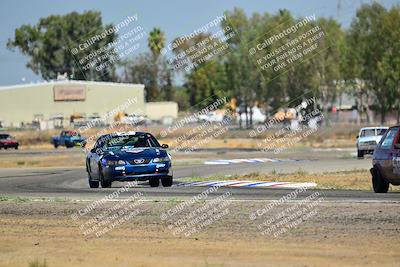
61, 103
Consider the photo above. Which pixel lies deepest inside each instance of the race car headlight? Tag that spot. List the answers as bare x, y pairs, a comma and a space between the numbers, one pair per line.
163, 159
115, 162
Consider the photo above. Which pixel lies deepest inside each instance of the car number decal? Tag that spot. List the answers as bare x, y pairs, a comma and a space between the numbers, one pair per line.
134, 150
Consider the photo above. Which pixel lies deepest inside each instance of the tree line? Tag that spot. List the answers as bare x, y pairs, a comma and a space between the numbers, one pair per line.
362, 60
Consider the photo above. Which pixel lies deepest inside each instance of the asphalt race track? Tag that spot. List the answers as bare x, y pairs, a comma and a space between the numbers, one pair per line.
71, 183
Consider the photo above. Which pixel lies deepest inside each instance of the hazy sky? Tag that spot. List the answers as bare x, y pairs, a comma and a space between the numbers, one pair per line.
174, 17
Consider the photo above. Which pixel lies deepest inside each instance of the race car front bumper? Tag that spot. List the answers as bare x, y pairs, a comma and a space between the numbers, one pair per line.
9, 145
138, 172
366, 146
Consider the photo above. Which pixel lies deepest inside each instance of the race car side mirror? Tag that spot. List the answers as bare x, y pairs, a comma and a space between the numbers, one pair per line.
164, 146
357, 136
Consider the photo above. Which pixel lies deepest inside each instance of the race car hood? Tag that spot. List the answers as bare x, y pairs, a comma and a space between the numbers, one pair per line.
145, 152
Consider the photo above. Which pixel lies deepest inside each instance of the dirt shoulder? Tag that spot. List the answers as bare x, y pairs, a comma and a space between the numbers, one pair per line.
339, 234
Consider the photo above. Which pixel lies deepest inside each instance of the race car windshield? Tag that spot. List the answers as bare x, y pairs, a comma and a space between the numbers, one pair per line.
380, 131
369, 132
130, 141
71, 134
4, 136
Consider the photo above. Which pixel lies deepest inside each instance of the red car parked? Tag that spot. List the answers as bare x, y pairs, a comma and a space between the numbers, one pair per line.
386, 161
6, 141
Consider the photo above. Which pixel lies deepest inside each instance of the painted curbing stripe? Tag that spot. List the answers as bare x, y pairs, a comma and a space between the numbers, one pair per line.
216, 162
295, 185
252, 160
259, 184
249, 184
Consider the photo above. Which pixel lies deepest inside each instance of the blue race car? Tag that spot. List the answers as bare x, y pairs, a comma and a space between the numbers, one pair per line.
132, 156
68, 139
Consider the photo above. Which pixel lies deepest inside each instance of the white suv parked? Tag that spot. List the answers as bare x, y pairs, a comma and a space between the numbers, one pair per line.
368, 138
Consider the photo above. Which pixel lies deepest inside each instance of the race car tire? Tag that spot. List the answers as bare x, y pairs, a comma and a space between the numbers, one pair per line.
379, 184
360, 154
16, 148
167, 181
55, 145
154, 182
94, 184
104, 183
69, 145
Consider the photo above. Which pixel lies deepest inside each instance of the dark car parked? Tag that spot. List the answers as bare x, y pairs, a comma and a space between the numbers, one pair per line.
386, 161
128, 157
7, 141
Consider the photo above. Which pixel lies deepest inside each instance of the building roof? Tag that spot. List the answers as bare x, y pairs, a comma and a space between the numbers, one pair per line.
81, 82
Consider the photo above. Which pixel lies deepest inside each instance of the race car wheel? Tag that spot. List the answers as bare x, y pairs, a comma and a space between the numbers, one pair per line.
104, 183
360, 154
69, 145
94, 184
378, 183
16, 148
55, 145
167, 181
154, 182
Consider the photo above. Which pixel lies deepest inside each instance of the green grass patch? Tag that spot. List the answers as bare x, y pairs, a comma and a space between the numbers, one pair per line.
15, 199
37, 263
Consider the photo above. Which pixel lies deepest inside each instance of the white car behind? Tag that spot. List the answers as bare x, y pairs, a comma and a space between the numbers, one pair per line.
212, 116
257, 117
368, 138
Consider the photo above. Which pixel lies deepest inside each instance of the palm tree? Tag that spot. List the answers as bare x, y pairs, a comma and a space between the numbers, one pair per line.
156, 42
